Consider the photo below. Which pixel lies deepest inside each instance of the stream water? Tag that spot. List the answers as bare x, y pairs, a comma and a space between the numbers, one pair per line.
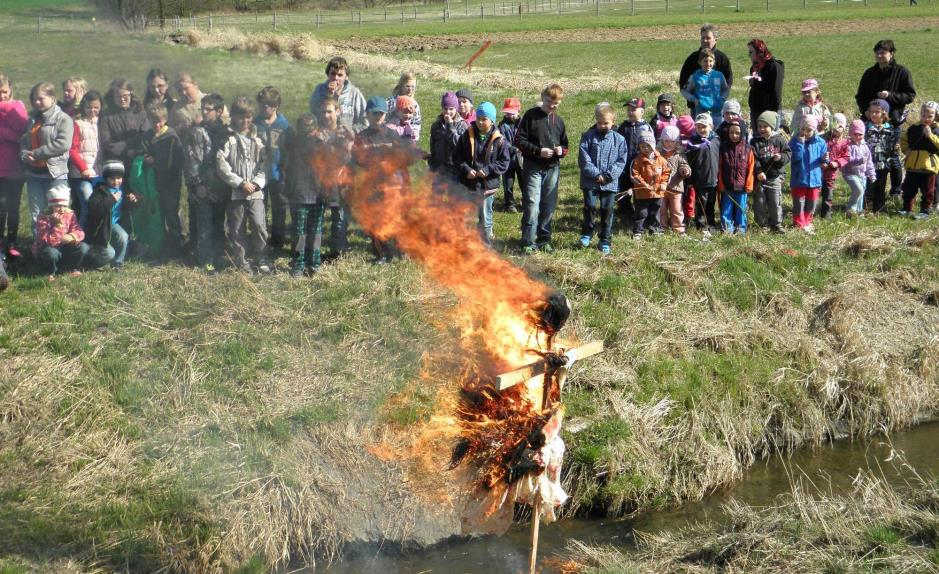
831, 468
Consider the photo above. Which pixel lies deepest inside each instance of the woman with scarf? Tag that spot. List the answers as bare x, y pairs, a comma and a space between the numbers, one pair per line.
766, 80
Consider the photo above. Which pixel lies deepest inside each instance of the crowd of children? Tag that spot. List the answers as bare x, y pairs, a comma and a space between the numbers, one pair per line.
121, 164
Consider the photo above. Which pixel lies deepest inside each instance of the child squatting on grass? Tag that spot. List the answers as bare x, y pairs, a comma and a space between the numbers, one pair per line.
59, 238
602, 159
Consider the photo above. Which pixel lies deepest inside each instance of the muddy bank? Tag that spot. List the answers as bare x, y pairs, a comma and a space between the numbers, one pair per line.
421, 43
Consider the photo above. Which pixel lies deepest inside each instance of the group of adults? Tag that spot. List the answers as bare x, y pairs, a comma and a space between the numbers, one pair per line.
886, 79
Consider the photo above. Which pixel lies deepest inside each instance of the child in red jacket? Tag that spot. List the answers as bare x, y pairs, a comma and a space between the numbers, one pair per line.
837, 157
59, 238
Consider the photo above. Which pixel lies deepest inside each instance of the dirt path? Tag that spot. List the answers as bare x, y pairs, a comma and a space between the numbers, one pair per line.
737, 30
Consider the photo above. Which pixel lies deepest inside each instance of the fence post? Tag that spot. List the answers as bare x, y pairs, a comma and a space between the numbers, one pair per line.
703, 9
402, 17
415, 14
666, 6
519, 11
597, 2
211, 23
737, 9
632, 7
39, 24
767, 5
482, 12
94, 25
274, 21
466, 7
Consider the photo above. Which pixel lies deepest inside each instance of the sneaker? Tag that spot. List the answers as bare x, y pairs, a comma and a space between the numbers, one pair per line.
903, 213
311, 270
922, 215
75, 273
528, 250
209, 269
117, 267
511, 208
264, 266
705, 232
604, 249
637, 237
778, 230
585, 240
809, 229
547, 248
14, 252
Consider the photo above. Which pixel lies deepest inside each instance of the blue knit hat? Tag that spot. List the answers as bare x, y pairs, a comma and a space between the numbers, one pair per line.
883, 105
376, 104
486, 110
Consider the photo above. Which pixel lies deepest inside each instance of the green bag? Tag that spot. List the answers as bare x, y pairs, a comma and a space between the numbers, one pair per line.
146, 216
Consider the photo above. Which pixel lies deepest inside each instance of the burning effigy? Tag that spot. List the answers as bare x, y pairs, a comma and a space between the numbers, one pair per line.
506, 423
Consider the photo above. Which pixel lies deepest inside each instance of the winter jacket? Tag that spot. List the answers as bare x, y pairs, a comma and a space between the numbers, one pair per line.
52, 130
921, 147
490, 156
883, 142
807, 159
416, 120
766, 88
202, 142
703, 156
120, 133
680, 170
660, 122
103, 211
859, 162
650, 175
692, 64
818, 110
242, 159
406, 130
537, 129
443, 139
601, 154
302, 185
13, 122
744, 129
893, 78
351, 105
85, 148
371, 144
837, 156
183, 111
509, 130
53, 226
308, 183
707, 90
763, 151
168, 158
272, 136
735, 170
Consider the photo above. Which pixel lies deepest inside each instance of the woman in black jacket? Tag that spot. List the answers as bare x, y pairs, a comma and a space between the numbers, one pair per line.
121, 126
766, 80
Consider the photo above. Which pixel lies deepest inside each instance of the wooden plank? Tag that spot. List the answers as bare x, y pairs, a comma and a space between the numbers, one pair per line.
536, 369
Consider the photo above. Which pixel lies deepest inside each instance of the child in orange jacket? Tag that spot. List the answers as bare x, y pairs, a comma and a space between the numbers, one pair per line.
649, 173
734, 179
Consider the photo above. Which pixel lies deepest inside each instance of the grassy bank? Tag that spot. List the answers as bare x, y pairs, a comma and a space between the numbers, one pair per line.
159, 418
873, 528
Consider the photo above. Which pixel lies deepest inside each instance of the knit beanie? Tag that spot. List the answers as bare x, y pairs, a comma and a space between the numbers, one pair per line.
465, 93
486, 110
449, 100
686, 125
769, 118
840, 120
647, 137
883, 105
811, 122
857, 127
704, 118
405, 104
732, 106
112, 168
670, 133
59, 194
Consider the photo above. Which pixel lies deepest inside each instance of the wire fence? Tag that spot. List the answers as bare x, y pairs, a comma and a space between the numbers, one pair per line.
442, 14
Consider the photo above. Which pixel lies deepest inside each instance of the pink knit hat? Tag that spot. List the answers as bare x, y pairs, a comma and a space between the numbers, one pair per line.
810, 121
857, 127
686, 125
810, 84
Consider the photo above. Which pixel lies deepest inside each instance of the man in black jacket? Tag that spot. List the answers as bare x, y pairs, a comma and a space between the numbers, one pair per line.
691, 65
887, 80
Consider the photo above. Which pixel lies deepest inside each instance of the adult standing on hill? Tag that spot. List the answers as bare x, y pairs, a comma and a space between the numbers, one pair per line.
721, 61
187, 106
339, 86
766, 80
887, 80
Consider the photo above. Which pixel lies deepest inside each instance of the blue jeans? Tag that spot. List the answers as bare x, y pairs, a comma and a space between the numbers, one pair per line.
484, 210
67, 256
37, 186
114, 252
540, 198
602, 202
734, 210
857, 184
210, 231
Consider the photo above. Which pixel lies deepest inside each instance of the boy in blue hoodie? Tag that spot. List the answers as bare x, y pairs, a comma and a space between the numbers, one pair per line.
809, 153
271, 126
602, 160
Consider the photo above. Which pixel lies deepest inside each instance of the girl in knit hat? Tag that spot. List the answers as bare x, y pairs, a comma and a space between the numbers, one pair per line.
406, 86
58, 235
837, 141
702, 151
650, 174
481, 157
809, 154
858, 170
811, 104
445, 132
885, 150
405, 108
465, 98
671, 215
771, 151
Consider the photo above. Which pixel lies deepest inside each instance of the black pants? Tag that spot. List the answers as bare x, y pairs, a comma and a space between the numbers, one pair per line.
705, 200
276, 194
827, 199
508, 182
600, 203
11, 193
646, 215
920, 182
875, 197
172, 224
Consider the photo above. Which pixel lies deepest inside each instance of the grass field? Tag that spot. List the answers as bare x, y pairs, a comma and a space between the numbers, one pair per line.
161, 418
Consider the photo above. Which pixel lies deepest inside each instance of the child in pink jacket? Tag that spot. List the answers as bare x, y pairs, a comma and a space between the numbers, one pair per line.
59, 238
13, 122
837, 156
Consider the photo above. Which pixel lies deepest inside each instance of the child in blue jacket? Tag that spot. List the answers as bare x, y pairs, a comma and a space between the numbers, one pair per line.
809, 154
602, 159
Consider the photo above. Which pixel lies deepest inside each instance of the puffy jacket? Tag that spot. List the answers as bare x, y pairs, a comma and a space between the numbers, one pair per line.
120, 133
491, 157
13, 122
509, 131
53, 226
764, 149
272, 136
807, 159
883, 143
54, 129
735, 170
650, 175
680, 170
351, 105
85, 148
859, 162
921, 147
443, 140
166, 149
837, 156
242, 159
802, 110
601, 154
707, 90
703, 156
